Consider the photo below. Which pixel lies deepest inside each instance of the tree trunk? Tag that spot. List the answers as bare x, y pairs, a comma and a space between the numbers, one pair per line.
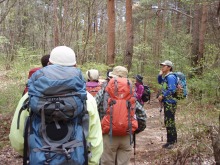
144, 54
158, 33
202, 37
130, 36
218, 10
216, 145
195, 35
56, 32
216, 140
87, 32
111, 32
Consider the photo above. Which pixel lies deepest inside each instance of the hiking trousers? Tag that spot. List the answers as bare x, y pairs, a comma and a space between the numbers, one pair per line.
118, 152
169, 121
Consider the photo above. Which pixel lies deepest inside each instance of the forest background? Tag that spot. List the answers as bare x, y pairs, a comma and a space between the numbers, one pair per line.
138, 34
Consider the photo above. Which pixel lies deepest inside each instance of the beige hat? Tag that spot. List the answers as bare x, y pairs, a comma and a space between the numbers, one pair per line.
92, 74
119, 71
167, 62
63, 55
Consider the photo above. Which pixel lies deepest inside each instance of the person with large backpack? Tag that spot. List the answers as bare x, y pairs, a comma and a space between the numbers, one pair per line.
168, 80
63, 125
92, 84
139, 88
44, 62
124, 117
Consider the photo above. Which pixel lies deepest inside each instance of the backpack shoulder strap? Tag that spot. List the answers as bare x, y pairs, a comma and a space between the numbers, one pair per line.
25, 106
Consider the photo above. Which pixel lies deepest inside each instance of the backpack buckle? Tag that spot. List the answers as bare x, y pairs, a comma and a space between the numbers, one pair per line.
57, 106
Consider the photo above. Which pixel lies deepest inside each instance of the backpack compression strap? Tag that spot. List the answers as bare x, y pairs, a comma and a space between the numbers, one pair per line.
111, 118
24, 107
129, 120
25, 150
70, 128
116, 86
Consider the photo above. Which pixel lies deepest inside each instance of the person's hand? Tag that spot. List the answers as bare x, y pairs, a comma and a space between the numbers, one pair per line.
161, 72
160, 98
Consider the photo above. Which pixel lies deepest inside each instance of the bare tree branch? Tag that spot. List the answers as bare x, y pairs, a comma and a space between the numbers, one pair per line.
6, 13
218, 15
218, 11
2, 1
173, 9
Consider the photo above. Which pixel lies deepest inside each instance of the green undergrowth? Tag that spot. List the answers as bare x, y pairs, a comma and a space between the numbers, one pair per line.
195, 123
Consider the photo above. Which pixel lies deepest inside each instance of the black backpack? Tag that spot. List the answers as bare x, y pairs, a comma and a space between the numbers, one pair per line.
146, 94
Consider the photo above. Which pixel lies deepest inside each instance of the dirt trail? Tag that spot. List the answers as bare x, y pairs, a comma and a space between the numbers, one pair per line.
149, 142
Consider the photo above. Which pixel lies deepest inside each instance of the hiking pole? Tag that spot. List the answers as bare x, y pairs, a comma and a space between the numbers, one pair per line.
161, 106
161, 122
134, 139
160, 110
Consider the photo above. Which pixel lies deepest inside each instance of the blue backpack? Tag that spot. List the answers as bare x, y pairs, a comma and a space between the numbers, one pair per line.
58, 122
181, 91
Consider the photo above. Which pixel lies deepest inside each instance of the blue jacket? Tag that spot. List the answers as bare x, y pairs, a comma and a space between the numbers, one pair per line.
168, 83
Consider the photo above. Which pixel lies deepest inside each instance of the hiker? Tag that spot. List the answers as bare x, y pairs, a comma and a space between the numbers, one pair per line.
117, 148
44, 62
92, 84
44, 147
139, 89
168, 82
103, 85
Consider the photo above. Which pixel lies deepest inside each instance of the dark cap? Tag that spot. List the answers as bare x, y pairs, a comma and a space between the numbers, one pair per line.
139, 78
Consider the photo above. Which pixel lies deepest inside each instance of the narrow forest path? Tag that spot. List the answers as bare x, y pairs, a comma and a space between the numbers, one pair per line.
149, 142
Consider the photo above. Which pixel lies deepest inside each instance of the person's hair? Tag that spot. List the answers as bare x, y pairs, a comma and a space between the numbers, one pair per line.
45, 60
171, 69
107, 74
88, 80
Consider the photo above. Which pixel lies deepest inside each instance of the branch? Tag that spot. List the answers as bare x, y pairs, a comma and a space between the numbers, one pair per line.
6, 13
219, 22
218, 10
2, 1
173, 9
218, 15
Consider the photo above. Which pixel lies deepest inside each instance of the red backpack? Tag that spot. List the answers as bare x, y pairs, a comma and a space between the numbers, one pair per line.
120, 118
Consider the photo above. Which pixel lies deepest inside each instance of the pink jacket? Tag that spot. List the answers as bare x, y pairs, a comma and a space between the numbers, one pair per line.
139, 89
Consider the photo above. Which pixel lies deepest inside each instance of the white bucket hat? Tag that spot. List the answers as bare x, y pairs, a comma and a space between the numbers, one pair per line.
92, 74
63, 55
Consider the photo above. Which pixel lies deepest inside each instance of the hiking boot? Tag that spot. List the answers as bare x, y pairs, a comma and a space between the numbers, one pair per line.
168, 146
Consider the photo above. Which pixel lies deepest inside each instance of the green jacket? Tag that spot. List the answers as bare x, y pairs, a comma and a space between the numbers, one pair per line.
94, 136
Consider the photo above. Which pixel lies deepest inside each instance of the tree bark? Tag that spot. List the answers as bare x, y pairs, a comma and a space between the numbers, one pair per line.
195, 35
129, 35
7, 11
218, 13
56, 32
111, 32
216, 145
202, 38
158, 33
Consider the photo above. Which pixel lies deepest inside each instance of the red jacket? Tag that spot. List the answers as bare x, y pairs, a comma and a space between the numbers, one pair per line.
29, 75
